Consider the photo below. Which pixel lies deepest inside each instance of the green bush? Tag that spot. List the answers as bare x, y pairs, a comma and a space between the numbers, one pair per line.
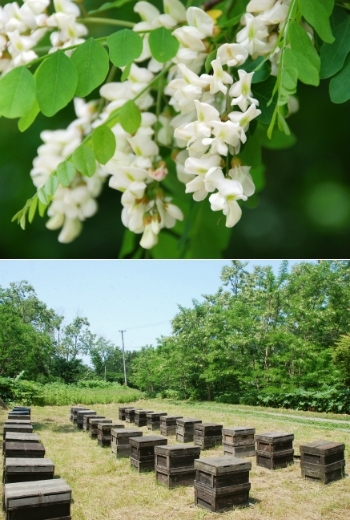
20, 391
328, 400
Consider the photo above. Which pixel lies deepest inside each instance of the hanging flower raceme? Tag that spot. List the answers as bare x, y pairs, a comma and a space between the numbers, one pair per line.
183, 87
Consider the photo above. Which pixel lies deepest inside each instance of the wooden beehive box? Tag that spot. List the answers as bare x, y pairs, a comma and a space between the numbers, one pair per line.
39, 500
20, 437
80, 417
17, 428
73, 412
274, 449
130, 415
18, 417
87, 418
120, 441
238, 441
322, 460
185, 429
174, 465
207, 435
122, 411
153, 420
140, 418
221, 483
93, 425
168, 424
104, 434
18, 469
22, 409
142, 451
24, 449
18, 421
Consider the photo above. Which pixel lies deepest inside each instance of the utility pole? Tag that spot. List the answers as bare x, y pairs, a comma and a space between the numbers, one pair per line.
122, 333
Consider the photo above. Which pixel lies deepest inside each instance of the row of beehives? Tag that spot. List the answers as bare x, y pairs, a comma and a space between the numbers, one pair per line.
30, 490
220, 483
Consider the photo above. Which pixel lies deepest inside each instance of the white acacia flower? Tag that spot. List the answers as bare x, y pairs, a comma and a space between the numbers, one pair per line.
219, 78
241, 91
201, 20
175, 9
277, 14
258, 6
225, 200
169, 213
70, 231
253, 36
206, 113
190, 37
149, 237
241, 174
206, 183
232, 54
123, 177
226, 133
147, 12
244, 118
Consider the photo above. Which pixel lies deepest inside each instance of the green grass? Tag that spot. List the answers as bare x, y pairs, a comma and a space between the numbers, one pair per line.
60, 395
105, 488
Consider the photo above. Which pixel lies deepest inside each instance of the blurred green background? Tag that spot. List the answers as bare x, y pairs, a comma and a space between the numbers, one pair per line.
302, 212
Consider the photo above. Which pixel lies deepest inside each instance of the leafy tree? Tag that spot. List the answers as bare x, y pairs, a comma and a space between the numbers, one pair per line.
342, 357
76, 339
107, 360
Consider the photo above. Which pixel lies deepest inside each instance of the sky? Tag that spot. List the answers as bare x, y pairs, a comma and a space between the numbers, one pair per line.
138, 296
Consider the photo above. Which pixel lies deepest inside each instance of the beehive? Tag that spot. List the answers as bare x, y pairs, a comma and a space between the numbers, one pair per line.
42, 499
93, 425
153, 420
238, 441
104, 434
322, 460
20, 437
185, 429
174, 465
142, 451
140, 417
274, 449
122, 411
18, 469
24, 449
86, 420
120, 441
168, 424
221, 483
80, 417
207, 435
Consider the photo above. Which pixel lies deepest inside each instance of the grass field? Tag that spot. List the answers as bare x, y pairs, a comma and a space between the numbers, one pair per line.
105, 488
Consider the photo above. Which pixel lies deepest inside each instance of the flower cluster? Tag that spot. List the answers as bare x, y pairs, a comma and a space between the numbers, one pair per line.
136, 169
20, 30
70, 205
65, 19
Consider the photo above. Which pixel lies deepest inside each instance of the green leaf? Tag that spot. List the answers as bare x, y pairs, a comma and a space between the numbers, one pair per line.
208, 61
129, 244
84, 160
27, 119
17, 92
103, 143
57, 80
125, 46
110, 5
328, 5
126, 72
259, 75
333, 55
339, 86
279, 140
42, 206
130, 117
307, 73
163, 44
232, 22
51, 185
44, 198
263, 93
251, 154
167, 246
65, 173
32, 209
316, 13
300, 41
92, 64
289, 78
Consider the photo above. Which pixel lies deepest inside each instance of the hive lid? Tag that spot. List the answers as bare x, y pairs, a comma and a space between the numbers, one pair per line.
319, 447
223, 464
238, 430
25, 461
23, 494
274, 436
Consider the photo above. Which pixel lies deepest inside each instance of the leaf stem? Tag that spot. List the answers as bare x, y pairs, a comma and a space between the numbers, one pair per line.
106, 21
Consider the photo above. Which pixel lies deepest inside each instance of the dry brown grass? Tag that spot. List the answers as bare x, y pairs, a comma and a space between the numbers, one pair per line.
105, 488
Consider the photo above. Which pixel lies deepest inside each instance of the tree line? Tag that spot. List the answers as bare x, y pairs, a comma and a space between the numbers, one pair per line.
37, 344
261, 334
262, 338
